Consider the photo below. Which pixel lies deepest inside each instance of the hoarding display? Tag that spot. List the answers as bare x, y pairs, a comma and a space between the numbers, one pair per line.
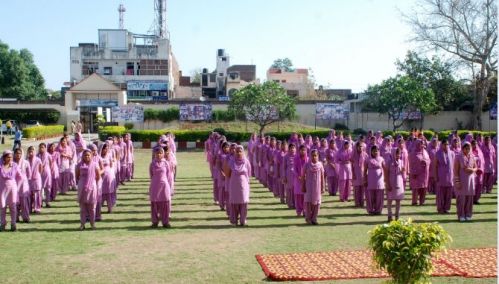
128, 113
195, 112
328, 111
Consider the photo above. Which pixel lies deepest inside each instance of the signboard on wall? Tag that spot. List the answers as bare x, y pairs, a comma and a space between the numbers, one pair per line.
128, 113
98, 103
147, 86
195, 112
328, 111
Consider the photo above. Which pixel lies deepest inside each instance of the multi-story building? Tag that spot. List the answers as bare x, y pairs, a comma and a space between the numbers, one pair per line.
143, 65
295, 82
226, 79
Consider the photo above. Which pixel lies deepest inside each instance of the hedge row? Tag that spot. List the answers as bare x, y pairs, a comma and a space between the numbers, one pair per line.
165, 115
42, 132
202, 135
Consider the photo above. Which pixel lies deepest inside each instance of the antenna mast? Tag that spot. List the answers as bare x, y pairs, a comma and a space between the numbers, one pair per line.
160, 10
121, 10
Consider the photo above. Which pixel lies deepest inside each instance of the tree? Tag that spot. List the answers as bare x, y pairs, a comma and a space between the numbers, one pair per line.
467, 30
196, 76
399, 95
284, 64
450, 94
263, 104
19, 76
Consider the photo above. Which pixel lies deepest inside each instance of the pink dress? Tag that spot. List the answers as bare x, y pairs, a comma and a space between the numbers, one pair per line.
87, 184
8, 186
313, 174
160, 189
239, 182
395, 179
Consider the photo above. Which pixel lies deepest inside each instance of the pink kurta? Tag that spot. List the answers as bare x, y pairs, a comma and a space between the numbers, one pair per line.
159, 190
8, 186
395, 179
87, 184
313, 182
375, 175
419, 163
467, 180
239, 181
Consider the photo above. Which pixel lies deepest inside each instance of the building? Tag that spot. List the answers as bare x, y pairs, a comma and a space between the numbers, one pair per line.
226, 79
295, 82
143, 65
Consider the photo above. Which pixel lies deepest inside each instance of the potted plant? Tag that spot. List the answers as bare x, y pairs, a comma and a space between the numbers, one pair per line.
405, 249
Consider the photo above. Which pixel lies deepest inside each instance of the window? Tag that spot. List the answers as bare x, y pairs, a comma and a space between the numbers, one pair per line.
283, 81
277, 81
75, 61
108, 70
224, 58
221, 74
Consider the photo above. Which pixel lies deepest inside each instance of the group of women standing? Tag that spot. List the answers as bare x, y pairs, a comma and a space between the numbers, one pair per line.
29, 180
373, 168
231, 172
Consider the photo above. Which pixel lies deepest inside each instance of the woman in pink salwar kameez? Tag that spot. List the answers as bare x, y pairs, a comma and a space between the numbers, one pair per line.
443, 166
24, 194
489, 155
159, 190
35, 181
8, 190
239, 173
313, 175
359, 158
301, 159
464, 182
419, 164
87, 175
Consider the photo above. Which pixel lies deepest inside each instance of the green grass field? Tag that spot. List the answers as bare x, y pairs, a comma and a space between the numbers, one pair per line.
200, 247
238, 126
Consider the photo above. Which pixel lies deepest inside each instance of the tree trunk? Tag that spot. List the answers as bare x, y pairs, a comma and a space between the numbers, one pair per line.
481, 91
262, 127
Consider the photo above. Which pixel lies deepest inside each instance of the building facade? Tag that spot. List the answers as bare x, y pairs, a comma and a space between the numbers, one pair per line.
142, 65
295, 82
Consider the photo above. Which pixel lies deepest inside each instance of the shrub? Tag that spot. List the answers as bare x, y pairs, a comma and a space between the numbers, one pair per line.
340, 126
166, 115
223, 115
219, 130
129, 125
405, 249
40, 132
359, 131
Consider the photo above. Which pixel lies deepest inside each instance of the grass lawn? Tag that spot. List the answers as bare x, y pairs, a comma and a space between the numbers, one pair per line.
200, 247
239, 126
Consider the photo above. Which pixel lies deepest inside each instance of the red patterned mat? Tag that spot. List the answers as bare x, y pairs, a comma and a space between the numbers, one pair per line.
359, 264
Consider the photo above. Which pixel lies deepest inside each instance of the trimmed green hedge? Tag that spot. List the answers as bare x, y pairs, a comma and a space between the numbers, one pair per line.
41, 132
202, 135
180, 135
164, 115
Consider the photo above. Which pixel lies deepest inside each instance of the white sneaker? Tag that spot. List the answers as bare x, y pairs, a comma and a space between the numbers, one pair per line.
468, 218
462, 219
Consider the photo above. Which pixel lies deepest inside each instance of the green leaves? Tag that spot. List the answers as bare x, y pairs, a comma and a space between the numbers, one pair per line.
284, 64
263, 104
19, 76
404, 249
400, 94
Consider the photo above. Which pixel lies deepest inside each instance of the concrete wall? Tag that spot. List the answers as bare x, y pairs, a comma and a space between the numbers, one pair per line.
306, 115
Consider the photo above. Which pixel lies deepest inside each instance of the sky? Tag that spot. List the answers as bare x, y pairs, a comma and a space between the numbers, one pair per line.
347, 43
